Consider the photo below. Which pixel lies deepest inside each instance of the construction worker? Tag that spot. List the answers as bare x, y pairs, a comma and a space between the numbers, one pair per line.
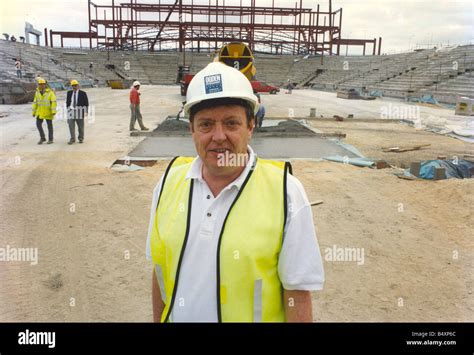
135, 107
231, 239
44, 108
77, 104
260, 115
289, 87
18, 68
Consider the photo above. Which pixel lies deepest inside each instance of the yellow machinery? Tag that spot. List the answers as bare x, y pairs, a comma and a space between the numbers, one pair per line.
120, 84
239, 56
233, 54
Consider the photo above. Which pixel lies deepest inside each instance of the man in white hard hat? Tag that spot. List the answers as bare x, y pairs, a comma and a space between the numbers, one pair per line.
135, 107
231, 235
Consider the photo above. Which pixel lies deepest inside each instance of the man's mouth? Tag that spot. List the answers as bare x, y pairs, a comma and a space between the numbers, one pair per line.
219, 150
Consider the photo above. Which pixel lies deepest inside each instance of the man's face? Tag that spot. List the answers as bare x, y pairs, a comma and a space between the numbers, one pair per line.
219, 131
75, 87
42, 87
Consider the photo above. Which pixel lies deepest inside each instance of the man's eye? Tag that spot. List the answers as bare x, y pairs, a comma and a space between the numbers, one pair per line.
231, 123
205, 124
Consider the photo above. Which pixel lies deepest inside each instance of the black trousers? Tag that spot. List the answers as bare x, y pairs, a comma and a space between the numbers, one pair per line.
39, 125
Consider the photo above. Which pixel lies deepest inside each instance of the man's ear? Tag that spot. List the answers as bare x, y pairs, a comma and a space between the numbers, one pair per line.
251, 126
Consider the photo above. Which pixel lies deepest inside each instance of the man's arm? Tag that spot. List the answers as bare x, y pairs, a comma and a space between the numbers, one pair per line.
86, 99
157, 302
34, 105
298, 306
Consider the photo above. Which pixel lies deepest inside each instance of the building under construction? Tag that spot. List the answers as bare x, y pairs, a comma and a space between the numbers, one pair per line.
184, 25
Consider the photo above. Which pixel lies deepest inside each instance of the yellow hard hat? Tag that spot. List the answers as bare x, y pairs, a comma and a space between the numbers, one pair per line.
74, 82
41, 81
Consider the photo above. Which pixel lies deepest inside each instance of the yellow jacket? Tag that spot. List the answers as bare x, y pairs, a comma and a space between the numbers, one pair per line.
248, 287
44, 105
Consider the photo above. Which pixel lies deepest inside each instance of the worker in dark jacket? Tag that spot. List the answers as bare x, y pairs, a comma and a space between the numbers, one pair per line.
77, 104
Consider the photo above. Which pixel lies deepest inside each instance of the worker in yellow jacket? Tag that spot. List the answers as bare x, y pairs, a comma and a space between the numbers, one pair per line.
44, 108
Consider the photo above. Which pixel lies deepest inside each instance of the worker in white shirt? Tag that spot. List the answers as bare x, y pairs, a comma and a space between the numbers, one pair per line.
231, 235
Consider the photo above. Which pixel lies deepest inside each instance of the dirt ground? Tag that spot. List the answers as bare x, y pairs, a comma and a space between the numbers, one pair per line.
89, 222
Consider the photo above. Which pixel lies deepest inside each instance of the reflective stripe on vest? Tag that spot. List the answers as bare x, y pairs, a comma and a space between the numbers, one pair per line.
248, 288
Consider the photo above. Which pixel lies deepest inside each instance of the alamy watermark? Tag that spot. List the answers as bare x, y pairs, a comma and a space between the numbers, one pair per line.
87, 113
228, 159
9, 253
37, 338
336, 254
400, 112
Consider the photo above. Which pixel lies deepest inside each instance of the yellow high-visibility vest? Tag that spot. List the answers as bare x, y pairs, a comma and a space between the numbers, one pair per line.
44, 105
248, 287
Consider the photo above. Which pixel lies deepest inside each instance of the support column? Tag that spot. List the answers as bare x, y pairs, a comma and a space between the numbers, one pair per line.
90, 27
340, 31
45, 37
113, 24
330, 27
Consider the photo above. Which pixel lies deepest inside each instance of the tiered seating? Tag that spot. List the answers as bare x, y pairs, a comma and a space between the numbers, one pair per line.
428, 70
444, 73
447, 91
160, 68
275, 70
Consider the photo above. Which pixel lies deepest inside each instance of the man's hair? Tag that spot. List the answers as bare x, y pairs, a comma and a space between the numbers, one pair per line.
225, 101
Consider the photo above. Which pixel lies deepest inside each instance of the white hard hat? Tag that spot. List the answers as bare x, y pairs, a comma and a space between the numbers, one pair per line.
216, 81
136, 83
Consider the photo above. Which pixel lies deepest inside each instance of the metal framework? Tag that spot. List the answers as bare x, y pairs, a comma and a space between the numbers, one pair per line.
186, 26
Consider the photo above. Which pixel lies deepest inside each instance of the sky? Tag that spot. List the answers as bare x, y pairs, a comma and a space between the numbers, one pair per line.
403, 24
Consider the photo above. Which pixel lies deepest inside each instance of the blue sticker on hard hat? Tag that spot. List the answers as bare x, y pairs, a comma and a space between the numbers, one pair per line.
213, 83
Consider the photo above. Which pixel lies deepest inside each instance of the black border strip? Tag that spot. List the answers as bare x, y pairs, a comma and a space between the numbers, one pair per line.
351, 338
218, 266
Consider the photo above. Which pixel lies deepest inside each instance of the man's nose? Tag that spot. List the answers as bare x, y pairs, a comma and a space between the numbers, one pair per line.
219, 133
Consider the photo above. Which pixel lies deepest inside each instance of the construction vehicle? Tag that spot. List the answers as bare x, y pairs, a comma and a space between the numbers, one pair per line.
239, 56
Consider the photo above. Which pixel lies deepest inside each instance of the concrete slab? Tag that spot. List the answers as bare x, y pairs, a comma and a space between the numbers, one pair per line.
270, 148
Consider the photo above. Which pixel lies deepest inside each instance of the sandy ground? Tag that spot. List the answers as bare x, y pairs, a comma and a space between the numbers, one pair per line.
89, 222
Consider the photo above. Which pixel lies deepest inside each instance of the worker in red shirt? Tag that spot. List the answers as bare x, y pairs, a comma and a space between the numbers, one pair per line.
135, 107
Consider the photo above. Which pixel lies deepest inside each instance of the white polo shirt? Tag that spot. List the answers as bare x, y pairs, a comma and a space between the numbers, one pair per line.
299, 265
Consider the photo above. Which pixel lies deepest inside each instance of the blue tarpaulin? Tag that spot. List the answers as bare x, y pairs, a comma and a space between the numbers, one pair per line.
376, 93
56, 85
359, 160
429, 99
363, 162
460, 169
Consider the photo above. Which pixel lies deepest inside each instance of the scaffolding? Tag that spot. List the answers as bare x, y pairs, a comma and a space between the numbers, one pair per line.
187, 26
